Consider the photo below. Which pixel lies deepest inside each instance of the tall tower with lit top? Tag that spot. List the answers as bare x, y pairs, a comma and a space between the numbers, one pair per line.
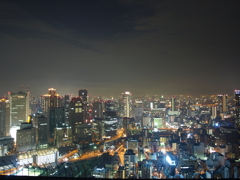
127, 104
51, 99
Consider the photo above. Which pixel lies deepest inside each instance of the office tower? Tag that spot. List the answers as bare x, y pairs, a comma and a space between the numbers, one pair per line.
26, 137
83, 93
41, 124
86, 110
173, 103
130, 162
66, 101
97, 109
19, 107
4, 117
237, 98
127, 104
55, 119
110, 109
214, 112
75, 115
162, 102
51, 99
223, 102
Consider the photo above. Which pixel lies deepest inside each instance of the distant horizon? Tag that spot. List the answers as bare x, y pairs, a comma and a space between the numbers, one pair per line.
91, 93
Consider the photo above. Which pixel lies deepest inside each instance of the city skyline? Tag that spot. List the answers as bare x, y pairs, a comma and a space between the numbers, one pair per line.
109, 47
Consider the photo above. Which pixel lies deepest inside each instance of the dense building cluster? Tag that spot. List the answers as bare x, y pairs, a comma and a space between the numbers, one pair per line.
150, 137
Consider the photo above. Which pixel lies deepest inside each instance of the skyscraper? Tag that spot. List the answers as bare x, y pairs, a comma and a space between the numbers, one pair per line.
237, 98
223, 102
173, 103
56, 118
83, 93
4, 118
75, 115
162, 102
127, 104
66, 101
41, 124
52, 99
19, 107
97, 109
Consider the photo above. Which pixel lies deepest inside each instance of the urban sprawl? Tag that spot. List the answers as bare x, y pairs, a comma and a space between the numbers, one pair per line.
124, 137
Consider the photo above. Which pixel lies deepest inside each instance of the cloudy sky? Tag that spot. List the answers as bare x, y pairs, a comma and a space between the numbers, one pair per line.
108, 47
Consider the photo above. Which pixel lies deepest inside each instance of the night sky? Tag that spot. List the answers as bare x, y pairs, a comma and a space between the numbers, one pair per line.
108, 47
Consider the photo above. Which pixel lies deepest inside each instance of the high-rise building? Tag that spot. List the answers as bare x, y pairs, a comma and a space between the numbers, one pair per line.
51, 99
127, 104
4, 117
63, 136
237, 98
110, 109
41, 124
55, 119
97, 109
26, 137
173, 104
75, 115
83, 93
66, 101
223, 102
19, 107
162, 102
214, 112
130, 162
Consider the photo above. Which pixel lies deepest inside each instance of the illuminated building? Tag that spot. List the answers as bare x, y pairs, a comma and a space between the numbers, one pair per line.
19, 107
66, 101
97, 109
171, 163
63, 136
130, 162
26, 137
173, 104
214, 112
121, 173
126, 104
40, 157
133, 144
162, 102
110, 109
40, 122
223, 102
83, 93
52, 99
6, 144
110, 106
75, 115
237, 98
101, 172
4, 117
